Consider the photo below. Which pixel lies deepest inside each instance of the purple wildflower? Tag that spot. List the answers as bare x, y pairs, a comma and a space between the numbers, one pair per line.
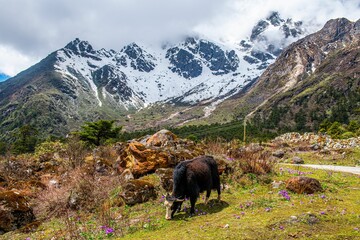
322, 213
267, 209
109, 230
281, 227
322, 196
285, 194
356, 229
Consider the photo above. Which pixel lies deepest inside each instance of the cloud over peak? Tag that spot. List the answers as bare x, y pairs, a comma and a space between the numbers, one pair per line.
45, 25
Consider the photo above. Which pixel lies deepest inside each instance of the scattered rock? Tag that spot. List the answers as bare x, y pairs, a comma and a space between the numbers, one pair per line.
15, 211
166, 178
315, 147
279, 153
276, 184
74, 200
297, 160
254, 147
302, 185
138, 191
317, 141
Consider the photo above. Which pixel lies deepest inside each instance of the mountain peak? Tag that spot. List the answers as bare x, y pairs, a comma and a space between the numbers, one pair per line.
341, 29
275, 19
78, 46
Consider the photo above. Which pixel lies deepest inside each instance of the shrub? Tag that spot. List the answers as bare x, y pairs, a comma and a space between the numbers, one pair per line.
98, 133
216, 147
78, 191
75, 151
248, 167
346, 135
49, 147
336, 130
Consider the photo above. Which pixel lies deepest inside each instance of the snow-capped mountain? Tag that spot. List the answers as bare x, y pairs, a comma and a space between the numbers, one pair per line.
78, 83
268, 39
191, 71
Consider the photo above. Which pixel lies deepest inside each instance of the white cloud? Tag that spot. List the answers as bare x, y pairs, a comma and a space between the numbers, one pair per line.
34, 28
12, 61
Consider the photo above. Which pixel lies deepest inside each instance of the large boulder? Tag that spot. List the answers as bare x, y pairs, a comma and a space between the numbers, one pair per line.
161, 150
15, 211
303, 185
138, 191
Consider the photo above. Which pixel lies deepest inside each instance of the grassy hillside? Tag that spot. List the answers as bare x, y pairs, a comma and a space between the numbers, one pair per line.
250, 207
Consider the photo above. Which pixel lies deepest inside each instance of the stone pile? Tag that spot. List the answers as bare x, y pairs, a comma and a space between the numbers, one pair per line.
318, 141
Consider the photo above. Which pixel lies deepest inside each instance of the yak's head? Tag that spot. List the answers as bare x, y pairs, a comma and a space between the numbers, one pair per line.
172, 204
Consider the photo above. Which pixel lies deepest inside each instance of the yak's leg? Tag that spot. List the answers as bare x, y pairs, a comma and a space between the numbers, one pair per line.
207, 196
179, 208
192, 202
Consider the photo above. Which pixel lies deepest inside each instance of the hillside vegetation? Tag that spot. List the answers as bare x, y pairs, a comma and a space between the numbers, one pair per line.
76, 194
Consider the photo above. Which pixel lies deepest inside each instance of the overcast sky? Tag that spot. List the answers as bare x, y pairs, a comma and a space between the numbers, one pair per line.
31, 29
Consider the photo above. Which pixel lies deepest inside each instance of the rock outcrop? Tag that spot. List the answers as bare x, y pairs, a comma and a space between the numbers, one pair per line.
15, 211
161, 150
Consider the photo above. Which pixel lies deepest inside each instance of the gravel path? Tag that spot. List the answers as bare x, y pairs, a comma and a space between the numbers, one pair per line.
354, 170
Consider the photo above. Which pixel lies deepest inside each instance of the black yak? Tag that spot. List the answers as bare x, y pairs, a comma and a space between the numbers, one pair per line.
192, 177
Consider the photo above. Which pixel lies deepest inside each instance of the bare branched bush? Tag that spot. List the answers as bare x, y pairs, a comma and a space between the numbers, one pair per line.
79, 191
17, 168
251, 166
257, 163
75, 151
216, 147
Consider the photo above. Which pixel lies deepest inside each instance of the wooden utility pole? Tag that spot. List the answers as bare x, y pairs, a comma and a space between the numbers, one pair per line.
244, 130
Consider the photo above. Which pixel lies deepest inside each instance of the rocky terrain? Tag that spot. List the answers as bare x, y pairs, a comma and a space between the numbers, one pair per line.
45, 186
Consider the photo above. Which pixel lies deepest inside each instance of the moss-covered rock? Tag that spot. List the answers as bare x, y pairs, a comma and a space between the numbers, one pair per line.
138, 191
161, 150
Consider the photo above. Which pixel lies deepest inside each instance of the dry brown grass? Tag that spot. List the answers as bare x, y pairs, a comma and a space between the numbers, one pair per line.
257, 163
78, 191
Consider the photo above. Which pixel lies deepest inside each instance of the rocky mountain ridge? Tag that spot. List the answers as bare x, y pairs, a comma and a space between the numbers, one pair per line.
79, 83
312, 79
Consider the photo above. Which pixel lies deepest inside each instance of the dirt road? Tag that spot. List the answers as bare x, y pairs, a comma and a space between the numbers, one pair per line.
354, 170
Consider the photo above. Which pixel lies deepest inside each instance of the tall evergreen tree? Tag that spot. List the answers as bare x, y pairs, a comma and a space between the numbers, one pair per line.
97, 133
